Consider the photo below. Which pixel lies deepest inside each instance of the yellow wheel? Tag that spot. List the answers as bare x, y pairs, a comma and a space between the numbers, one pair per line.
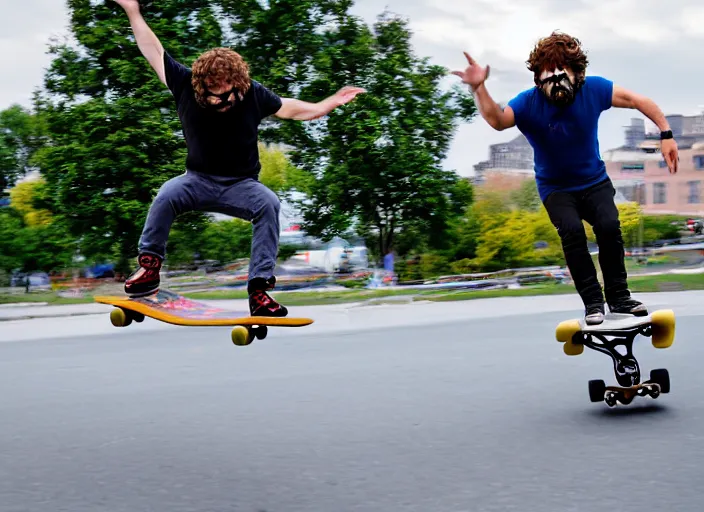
663, 324
241, 336
571, 349
119, 318
565, 330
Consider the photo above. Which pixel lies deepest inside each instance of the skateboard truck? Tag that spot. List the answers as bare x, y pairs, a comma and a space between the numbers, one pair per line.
615, 337
626, 367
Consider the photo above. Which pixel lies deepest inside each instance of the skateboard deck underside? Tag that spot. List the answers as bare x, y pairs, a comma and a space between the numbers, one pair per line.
172, 308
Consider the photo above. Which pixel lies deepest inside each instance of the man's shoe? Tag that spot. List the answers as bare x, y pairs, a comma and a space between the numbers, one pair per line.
145, 280
260, 303
629, 307
594, 314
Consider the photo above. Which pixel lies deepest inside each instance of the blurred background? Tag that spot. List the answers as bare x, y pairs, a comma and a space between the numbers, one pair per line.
406, 190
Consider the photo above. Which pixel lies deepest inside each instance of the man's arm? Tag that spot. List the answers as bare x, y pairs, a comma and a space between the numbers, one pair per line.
304, 111
148, 43
497, 117
475, 76
623, 98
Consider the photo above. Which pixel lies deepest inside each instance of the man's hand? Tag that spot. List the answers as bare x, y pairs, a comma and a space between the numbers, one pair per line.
474, 75
668, 148
341, 97
129, 5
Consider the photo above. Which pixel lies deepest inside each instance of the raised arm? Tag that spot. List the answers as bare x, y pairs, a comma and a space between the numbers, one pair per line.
498, 118
475, 76
148, 43
304, 111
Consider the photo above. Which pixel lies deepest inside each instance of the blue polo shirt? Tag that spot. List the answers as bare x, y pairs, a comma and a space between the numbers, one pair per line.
565, 141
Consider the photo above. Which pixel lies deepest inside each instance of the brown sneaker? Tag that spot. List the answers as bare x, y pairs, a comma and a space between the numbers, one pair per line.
145, 280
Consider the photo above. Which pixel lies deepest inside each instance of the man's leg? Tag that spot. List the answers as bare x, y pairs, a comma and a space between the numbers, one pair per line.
601, 212
250, 200
179, 195
564, 213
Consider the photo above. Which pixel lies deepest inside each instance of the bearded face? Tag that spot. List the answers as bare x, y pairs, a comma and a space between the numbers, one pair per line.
559, 86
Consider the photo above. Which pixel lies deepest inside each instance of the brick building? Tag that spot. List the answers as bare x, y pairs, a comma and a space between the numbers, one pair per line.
641, 175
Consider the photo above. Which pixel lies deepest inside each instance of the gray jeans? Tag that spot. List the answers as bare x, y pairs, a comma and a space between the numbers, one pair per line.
244, 198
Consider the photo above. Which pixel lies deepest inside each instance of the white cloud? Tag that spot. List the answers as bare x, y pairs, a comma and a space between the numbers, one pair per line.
25, 31
692, 22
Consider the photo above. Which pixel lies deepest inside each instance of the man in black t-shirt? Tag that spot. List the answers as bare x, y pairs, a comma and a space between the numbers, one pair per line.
220, 109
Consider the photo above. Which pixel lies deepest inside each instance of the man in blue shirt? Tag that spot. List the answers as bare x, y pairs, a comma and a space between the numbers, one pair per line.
559, 118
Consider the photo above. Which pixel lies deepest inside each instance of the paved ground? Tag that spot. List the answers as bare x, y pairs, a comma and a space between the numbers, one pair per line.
480, 412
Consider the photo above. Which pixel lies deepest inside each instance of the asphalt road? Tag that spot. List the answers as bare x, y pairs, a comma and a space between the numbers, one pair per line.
485, 414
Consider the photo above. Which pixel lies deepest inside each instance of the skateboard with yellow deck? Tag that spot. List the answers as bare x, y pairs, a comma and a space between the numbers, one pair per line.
175, 309
619, 330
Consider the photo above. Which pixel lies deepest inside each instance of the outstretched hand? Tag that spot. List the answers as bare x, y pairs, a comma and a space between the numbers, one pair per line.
346, 94
668, 148
474, 75
341, 97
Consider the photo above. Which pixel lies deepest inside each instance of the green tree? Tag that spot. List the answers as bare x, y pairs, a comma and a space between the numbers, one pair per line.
279, 174
526, 197
378, 162
11, 227
26, 248
20, 135
24, 199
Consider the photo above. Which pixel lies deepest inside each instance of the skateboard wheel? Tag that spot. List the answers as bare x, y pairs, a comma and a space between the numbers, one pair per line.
261, 332
566, 330
663, 328
661, 377
241, 336
119, 318
138, 317
597, 389
571, 349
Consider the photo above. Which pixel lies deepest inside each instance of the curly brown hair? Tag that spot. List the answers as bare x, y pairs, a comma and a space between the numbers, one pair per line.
558, 50
217, 66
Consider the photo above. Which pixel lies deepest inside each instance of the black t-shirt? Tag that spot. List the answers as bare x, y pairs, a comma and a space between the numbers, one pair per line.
220, 143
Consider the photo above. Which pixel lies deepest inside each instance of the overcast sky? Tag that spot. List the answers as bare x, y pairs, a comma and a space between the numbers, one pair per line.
650, 46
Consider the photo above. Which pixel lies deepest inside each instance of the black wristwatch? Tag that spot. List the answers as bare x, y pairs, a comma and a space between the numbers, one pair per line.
666, 135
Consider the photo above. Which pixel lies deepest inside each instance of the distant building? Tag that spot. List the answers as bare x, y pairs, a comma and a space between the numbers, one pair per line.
509, 164
514, 154
641, 175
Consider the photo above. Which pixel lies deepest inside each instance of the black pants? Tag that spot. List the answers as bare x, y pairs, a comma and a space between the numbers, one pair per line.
595, 205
